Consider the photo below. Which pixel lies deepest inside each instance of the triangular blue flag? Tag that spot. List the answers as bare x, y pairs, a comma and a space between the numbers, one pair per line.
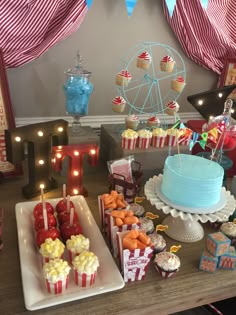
182, 126
130, 4
89, 3
171, 6
204, 3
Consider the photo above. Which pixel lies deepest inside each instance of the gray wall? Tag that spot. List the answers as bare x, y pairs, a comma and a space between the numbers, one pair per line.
105, 36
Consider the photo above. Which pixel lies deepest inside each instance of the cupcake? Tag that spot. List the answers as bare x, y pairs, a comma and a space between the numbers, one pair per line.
137, 209
51, 249
76, 245
153, 122
85, 268
167, 64
172, 137
132, 122
172, 108
144, 60
147, 225
129, 139
56, 273
229, 229
158, 242
167, 264
158, 137
118, 104
144, 139
123, 78
178, 84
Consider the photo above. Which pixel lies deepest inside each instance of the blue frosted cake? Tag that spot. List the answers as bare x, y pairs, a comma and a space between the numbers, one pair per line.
192, 181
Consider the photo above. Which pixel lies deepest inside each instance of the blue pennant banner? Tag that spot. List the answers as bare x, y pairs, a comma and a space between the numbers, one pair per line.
89, 3
130, 4
171, 6
204, 3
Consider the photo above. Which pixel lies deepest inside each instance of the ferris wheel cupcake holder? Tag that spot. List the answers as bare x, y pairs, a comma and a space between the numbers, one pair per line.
183, 225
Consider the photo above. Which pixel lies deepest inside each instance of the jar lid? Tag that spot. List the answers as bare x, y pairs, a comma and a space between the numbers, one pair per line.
78, 69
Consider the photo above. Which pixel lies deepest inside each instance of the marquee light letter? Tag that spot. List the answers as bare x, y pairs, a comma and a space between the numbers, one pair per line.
39, 139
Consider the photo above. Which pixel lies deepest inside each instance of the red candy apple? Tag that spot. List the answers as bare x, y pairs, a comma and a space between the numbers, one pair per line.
39, 221
38, 209
42, 234
65, 217
62, 205
67, 230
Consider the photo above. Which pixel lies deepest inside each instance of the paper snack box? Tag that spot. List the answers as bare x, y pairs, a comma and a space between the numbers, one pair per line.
112, 233
134, 264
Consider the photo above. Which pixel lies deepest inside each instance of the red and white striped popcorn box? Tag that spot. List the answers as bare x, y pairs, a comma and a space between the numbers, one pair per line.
184, 142
134, 264
71, 255
171, 140
58, 287
101, 212
165, 274
113, 229
144, 143
84, 280
128, 143
46, 259
158, 142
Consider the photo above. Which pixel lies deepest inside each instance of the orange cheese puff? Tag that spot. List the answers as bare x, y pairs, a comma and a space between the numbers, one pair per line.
129, 243
141, 245
129, 213
104, 196
131, 220
114, 194
118, 221
118, 214
108, 200
120, 203
144, 238
132, 234
111, 205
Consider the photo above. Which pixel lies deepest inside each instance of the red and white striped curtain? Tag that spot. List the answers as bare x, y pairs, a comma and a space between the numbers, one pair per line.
29, 27
208, 36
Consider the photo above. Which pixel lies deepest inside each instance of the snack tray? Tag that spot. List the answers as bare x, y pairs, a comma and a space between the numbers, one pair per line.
34, 289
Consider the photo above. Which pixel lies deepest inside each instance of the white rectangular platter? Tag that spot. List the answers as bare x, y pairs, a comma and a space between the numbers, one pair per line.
35, 293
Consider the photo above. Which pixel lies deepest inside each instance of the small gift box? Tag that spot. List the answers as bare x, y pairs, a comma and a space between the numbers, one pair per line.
217, 243
228, 260
208, 262
134, 263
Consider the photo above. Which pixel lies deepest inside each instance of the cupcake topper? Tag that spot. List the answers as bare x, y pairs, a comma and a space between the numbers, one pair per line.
175, 248
64, 191
151, 215
72, 211
45, 217
68, 203
161, 227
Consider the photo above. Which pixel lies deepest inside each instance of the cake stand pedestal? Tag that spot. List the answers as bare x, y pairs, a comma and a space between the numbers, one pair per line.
184, 226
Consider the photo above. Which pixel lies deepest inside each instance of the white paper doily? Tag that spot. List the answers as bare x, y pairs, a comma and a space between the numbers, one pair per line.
183, 226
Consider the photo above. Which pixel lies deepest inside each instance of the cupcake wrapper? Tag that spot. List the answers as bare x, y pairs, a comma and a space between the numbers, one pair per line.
177, 86
143, 64
58, 287
129, 144
144, 143
165, 274
71, 256
118, 108
84, 280
158, 142
122, 81
132, 124
171, 140
167, 66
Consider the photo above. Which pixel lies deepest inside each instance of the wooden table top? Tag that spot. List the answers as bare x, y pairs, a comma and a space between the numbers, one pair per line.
189, 288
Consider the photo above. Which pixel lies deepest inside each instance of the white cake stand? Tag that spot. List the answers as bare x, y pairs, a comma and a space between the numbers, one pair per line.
184, 226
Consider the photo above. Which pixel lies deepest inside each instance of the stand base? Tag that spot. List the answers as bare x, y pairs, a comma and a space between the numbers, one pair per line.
186, 231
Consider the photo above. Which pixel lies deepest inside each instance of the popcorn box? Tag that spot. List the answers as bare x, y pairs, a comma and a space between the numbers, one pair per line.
228, 260
128, 143
217, 243
208, 262
58, 287
84, 280
158, 142
134, 264
184, 142
102, 213
144, 143
171, 140
112, 232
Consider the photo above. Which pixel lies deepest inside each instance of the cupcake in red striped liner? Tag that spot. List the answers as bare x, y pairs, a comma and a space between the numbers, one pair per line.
76, 245
153, 122
172, 108
178, 84
144, 60
172, 137
167, 64
144, 139
118, 104
167, 264
85, 268
51, 249
132, 122
158, 137
56, 274
123, 78
129, 139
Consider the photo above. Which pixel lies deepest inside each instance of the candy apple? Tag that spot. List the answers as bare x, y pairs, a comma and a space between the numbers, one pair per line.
39, 221
62, 206
38, 209
65, 217
42, 234
67, 230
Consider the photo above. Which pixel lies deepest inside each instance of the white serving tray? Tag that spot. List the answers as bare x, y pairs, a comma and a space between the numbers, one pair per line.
35, 293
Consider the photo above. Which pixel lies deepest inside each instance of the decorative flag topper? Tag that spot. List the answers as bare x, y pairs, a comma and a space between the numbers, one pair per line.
89, 3
171, 5
130, 4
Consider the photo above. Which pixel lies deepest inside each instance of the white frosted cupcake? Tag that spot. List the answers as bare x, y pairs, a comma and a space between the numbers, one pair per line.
178, 84
123, 78
144, 139
158, 137
167, 264
153, 122
76, 245
167, 64
158, 242
172, 108
56, 273
144, 60
229, 230
132, 122
51, 249
85, 268
129, 139
118, 104
147, 225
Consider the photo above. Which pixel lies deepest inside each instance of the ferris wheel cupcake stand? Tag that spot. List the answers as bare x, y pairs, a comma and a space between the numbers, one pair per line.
183, 225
